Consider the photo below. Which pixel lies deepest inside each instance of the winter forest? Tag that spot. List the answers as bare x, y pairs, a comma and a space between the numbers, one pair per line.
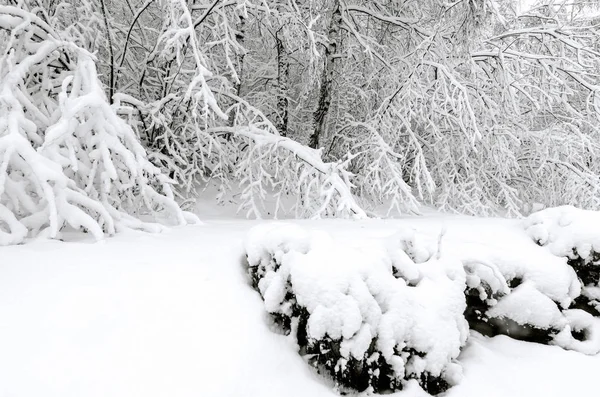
437, 163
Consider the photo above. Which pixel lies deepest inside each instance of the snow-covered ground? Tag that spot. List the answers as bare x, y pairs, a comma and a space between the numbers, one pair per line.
172, 314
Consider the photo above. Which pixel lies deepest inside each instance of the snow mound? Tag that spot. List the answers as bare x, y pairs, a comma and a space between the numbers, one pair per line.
352, 317
527, 306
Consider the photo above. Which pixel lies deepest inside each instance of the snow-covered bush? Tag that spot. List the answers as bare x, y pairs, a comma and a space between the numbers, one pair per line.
352, 318
377, 315
333, 107
525, 302
572, 233
67, 158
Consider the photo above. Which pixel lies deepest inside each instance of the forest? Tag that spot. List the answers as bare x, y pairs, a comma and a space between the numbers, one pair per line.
116, 110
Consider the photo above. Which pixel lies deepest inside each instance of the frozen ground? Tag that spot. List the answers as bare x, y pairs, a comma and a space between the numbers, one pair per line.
172, 314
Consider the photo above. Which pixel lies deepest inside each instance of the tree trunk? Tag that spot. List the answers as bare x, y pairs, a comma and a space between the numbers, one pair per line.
237, 85
324, 103
111, 88
283, 66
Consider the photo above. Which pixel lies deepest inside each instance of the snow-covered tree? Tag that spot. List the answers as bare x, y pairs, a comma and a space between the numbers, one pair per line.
67, 158
332, 107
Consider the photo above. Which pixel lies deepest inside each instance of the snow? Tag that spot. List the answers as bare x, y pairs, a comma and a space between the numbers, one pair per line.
500, 367
562, 229
526, 305
580, 321
174, 314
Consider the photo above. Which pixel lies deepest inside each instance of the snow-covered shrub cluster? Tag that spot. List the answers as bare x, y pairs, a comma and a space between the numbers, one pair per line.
66, 157
531, 302
354, 316
572, 233
376, 315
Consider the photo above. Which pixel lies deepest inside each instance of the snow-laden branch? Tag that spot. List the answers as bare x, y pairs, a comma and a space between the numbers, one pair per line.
72, 161
333, 178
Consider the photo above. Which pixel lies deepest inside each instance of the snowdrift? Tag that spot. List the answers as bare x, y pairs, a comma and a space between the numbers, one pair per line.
377, 316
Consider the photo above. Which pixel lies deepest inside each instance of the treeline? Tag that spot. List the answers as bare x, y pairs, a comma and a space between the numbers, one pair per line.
332, 107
